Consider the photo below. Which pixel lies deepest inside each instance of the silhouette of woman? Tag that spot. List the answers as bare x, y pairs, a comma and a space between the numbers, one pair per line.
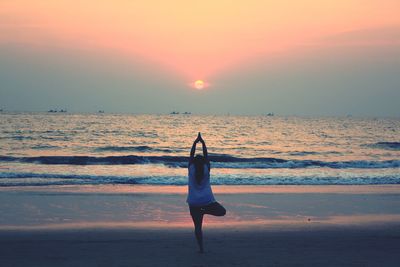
200, 197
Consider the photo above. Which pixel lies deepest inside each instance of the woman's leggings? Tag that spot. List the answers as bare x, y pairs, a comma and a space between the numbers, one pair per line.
214, 208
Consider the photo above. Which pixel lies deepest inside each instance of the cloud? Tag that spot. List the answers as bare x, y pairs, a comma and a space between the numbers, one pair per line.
383, 36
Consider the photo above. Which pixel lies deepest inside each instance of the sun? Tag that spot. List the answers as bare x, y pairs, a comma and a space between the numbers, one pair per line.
199, 84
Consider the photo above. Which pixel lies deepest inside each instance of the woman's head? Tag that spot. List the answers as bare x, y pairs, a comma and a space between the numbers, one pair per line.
199, 162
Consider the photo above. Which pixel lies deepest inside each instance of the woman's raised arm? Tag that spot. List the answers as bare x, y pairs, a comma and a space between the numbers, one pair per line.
205, 152
193, 150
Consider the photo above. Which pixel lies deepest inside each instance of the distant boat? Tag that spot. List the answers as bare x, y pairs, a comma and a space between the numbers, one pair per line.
270, 114
174, 113
101, 111
187, 113
55, 110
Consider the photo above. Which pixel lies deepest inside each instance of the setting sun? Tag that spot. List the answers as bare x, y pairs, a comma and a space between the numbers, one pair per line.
199, 84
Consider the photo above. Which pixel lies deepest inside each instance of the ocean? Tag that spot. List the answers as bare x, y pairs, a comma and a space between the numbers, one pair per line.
41, 149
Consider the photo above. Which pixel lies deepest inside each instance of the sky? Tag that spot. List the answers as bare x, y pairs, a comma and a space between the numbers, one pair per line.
288, 57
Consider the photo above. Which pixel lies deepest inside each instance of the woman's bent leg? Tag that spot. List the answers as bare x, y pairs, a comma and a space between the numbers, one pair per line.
197, 217
215, 209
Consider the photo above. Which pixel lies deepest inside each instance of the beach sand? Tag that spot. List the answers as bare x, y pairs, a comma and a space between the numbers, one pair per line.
150, 226
343, 246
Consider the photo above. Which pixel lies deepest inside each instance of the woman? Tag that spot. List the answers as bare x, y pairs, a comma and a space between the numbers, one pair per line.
200, 197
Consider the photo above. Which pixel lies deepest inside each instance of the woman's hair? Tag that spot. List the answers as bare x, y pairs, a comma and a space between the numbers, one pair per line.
199, 162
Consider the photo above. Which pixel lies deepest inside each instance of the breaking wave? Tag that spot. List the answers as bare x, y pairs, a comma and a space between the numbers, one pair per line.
42, 179
218, 161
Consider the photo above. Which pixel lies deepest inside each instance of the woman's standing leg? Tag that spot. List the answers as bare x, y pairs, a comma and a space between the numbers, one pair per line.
197, 217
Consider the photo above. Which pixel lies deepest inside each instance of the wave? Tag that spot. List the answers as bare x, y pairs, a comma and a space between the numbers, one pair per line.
306, 153
132, 149
218, 161
106, 160
385, 145
41, 179
44, 147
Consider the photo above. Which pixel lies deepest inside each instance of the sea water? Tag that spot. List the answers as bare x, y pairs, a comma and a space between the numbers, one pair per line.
38, 149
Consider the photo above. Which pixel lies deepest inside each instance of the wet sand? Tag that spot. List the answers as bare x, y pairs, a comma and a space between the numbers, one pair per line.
343, 246
123, 226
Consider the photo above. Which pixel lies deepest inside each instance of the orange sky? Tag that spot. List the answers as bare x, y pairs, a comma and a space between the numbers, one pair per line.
195, 39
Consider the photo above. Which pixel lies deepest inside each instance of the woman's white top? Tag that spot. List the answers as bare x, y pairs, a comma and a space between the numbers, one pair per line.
199, 194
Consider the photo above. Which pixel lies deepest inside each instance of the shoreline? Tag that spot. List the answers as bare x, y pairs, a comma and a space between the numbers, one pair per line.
217, 189
165, 207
